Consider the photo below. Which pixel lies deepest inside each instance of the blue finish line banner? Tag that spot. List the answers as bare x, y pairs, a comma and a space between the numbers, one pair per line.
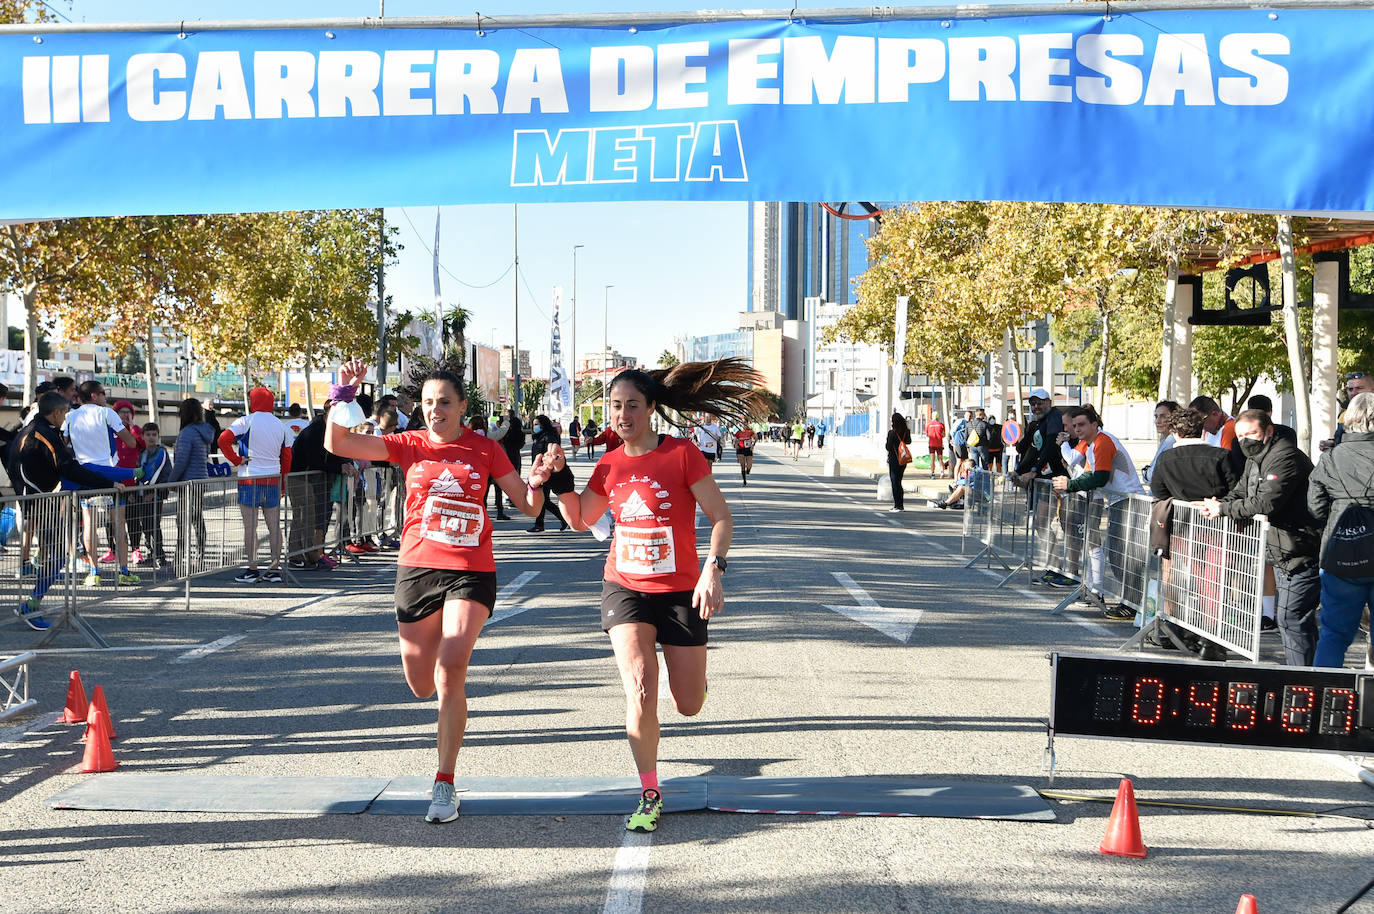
1238, 109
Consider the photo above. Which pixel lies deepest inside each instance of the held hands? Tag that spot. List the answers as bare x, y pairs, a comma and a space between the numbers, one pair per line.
555, 459
1060, 483
351, 372
709, 594
540, 472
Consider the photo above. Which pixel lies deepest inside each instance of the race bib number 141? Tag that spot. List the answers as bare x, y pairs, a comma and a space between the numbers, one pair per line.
451, 521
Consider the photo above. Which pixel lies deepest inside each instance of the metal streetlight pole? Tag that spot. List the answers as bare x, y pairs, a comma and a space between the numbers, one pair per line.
573, 351
605, 349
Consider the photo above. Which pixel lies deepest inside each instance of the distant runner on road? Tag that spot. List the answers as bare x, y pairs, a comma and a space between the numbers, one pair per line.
653, 591
446, 574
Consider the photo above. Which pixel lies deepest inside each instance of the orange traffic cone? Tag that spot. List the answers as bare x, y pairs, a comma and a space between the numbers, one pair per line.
1247, 905
77, 708
98, 703
1123, 828
99, 757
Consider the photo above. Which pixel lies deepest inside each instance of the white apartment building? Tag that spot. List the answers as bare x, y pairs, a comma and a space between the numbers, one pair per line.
840, 377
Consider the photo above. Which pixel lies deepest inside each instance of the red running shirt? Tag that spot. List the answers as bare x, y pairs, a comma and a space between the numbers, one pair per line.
655, 544
446, 522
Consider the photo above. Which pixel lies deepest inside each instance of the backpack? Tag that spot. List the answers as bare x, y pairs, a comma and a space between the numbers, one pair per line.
1349, 551
973, 439
903, 453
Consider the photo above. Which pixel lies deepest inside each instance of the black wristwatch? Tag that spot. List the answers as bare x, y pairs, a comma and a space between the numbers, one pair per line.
719, 562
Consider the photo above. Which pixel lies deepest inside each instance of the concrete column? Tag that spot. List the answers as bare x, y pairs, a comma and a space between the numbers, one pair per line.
1166, 355
1187, 301
1328, 288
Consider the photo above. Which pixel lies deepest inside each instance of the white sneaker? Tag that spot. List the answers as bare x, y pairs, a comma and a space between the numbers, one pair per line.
444, 805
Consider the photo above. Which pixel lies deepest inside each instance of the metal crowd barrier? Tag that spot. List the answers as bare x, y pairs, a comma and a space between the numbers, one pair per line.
14, 684
1212, 585
995, 515
172, 533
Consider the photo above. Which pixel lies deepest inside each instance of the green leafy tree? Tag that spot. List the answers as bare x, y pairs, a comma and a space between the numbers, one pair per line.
15, 340
777, 409
532, 392
477, 403
666, 359
134, 361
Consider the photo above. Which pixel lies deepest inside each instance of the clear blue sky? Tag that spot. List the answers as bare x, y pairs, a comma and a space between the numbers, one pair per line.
676, 268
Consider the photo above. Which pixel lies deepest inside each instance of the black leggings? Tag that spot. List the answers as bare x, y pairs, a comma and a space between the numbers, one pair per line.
895, 472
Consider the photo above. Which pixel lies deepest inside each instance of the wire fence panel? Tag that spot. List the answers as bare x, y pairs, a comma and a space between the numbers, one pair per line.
1213, 579
1066, 529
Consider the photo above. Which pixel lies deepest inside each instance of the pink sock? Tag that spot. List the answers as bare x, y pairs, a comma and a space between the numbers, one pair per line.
445, 776
648, 780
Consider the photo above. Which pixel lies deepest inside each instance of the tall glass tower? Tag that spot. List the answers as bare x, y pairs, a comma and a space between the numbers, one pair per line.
798, 250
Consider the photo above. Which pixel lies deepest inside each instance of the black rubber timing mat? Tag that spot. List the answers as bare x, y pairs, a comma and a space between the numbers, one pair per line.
842, 796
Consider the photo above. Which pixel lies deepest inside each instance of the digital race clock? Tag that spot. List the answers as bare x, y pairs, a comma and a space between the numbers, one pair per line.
1220, 704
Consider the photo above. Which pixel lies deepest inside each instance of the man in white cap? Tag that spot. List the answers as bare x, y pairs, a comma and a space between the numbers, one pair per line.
1039, 456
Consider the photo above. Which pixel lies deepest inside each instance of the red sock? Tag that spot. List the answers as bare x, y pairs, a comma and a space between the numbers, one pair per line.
648, 780
445, 776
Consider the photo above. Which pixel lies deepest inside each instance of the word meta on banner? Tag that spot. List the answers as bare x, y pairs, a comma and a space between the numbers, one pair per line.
621, 155
1218, 704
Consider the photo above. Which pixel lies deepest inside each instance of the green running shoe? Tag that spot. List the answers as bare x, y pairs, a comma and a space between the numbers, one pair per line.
645, 818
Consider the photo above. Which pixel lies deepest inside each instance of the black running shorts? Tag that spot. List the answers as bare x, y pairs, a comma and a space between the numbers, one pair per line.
744, 452
421, 592
678, 623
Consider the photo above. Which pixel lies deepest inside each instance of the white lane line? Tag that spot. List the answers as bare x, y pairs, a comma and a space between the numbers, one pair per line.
42, 722
626, 892
115, 650
858, 593
207, 649
509, 591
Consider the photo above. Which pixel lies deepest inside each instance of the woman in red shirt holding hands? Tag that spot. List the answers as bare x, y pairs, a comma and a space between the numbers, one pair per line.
446, 575
653, 591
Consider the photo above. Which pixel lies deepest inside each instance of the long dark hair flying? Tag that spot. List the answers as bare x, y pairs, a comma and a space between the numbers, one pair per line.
726, 388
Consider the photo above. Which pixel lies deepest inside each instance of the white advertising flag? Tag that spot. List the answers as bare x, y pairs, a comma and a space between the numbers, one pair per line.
560, 387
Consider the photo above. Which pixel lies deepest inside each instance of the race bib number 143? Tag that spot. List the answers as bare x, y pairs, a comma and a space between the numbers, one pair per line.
641, 550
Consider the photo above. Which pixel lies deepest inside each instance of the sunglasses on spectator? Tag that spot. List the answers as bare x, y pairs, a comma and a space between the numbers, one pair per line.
1355, 376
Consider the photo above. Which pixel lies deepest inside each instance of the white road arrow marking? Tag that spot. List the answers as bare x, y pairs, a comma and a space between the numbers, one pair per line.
504, 613
897, 624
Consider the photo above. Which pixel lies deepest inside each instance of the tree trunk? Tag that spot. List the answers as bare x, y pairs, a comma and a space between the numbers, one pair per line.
1016, 372
150, 373
246, 385
1106, 351
1297, 367
309, 394
30, 296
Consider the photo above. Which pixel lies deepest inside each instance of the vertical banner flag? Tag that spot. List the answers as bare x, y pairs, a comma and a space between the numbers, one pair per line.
560, 388
438, 295
990, 104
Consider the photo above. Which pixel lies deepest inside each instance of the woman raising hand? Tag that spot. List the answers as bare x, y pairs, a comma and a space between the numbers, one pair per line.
446, 574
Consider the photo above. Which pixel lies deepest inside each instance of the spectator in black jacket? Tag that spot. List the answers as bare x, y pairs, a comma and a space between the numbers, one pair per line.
978, 428
1038, 447
1342, 479
44, 463
1190, 470
1266, 406
309, 495
1039, 456
1275, 484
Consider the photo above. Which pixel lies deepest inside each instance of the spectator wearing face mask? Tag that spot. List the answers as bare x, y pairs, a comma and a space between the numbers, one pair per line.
1275, 484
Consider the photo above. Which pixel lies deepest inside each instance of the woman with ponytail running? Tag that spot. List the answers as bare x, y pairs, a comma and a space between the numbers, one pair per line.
654, 592
446, 575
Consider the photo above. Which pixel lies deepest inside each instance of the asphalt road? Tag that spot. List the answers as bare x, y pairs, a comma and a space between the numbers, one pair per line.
313, 688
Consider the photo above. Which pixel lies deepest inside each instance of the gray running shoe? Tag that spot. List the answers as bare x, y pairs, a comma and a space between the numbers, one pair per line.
444, 805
